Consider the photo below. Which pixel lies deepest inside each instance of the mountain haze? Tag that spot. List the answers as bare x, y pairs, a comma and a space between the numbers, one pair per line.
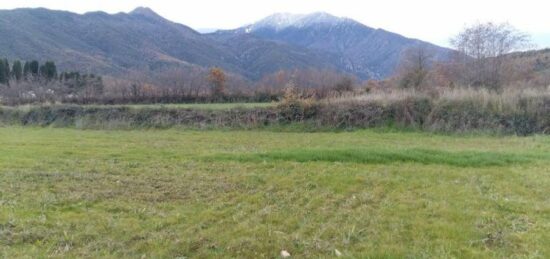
144, 41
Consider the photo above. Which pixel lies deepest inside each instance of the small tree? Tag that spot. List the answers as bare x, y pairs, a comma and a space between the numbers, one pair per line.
414, 67
344, 85
26, 70
483, 47
5, 72
3, 75
34, 67
291, 93
48, 70
217, 80
294, 106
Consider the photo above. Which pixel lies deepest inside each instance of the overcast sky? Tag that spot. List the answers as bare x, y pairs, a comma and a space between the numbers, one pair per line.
431, 20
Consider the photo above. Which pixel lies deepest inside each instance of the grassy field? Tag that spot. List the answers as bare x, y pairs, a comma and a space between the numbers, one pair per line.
250, 194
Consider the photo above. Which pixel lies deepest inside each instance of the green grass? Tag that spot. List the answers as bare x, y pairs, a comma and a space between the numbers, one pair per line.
198, 106
367, 156
250, 194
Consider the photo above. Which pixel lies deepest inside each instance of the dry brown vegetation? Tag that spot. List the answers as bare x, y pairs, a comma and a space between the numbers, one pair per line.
520, 112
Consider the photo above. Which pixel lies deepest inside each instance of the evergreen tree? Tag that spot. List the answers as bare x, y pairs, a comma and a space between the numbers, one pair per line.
3, 76
17, 70
26, 70
7, 71
48, 70
34, 67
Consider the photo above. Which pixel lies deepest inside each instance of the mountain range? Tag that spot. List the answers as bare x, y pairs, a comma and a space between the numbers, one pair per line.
142, 40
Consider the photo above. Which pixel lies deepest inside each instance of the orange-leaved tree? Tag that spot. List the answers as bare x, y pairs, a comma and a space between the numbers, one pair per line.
217, 80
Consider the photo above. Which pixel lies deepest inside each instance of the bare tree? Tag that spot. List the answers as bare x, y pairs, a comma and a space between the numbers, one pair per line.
482, 47
346, 84
414, 67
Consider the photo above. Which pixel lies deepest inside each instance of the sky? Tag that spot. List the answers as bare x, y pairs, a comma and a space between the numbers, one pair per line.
435, 21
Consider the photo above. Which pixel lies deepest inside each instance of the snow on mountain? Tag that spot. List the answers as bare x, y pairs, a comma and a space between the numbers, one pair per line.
281, 21
358, 49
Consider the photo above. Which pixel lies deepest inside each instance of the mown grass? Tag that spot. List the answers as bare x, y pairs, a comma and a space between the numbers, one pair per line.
166, 193
422, 156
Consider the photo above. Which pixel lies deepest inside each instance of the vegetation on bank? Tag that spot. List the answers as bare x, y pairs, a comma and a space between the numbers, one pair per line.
511, 112
233, 194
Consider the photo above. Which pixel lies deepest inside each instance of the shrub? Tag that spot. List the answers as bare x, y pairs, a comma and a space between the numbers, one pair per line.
294, 108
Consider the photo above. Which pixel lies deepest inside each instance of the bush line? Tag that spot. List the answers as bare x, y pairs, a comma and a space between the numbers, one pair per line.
527, 115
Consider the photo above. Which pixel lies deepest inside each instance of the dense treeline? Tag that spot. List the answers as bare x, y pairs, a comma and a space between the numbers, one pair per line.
173, 85
31, 82
196, 85
31, 70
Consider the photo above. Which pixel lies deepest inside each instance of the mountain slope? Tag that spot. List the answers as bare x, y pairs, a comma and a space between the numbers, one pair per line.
140, 40
144, 41
533, 66
259, 57
364, 51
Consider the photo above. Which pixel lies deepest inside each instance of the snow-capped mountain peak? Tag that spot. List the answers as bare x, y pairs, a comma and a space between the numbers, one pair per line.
280, 21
